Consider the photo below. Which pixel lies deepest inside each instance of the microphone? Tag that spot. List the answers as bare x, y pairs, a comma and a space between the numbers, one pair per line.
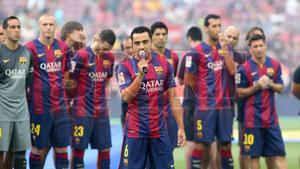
143, 56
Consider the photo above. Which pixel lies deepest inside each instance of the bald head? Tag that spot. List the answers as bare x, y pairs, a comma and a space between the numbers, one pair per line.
232, 35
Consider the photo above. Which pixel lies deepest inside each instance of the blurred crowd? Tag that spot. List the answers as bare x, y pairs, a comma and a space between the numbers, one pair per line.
279, 19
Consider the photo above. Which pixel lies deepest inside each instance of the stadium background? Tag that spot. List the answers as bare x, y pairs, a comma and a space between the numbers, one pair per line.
278, 18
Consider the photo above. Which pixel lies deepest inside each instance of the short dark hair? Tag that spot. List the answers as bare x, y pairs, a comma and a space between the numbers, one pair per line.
251, 32
210, 16
140, 29
125, 39
194, 33
69, 27
256, 37
158, 25
108, 35
5, 21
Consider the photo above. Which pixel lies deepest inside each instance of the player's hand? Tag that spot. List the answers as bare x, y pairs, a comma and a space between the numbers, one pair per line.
181, 137
264, 81
222, 40
142, 64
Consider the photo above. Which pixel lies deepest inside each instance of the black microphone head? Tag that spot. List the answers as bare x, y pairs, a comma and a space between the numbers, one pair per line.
142, 54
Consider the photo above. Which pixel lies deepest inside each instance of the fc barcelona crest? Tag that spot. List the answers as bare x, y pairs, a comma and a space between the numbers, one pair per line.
159, 70
23, 60
57, 53
270, 71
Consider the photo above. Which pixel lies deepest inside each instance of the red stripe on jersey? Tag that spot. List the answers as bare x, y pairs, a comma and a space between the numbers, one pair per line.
154, 109
37, 85
218, 81
265, 102
98, 87
133, 110
81, 108
201, 82
250, 113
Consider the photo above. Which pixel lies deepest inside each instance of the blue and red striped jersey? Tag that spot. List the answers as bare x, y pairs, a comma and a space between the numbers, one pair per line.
259, 109
145, 116
50, 63
92, 74
211, 85
172, 58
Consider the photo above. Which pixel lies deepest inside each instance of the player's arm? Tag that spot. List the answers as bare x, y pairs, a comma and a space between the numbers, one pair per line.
296, 83
244, 89
229, 62
178, 114
180, 74
132, 90
296, 90
276, 84
175, 106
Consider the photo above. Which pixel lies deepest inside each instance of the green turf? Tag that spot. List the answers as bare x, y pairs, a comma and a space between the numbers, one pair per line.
292, 149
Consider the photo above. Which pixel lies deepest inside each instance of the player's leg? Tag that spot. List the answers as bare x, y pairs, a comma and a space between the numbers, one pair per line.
214, 156
204, 132
134, 153
189, 132
8, 159
160, 153
6, 129
243, 159
270, 163
253, 145
81, 134
40, 125
254, 162
274, 147
101, 140
60, 139
44, 154
224, 136
172, 131
20, 143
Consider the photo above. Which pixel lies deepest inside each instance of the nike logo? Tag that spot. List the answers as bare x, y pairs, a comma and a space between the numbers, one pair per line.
172, 166
253, 73
91, 64
207, 55
6, 60
40, 55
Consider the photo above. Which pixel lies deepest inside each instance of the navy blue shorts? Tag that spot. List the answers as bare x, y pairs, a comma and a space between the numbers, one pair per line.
50, 129
172, 131
211, 124
95, 131
266, 142
136, 150
188, 120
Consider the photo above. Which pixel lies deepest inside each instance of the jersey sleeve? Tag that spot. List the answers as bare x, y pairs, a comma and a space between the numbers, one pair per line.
123, 77
241, 78
67, 58
181, 70
296, 77
170, 81
175, 64
77, 64
112, 61
278, 79
29, 77
191, 63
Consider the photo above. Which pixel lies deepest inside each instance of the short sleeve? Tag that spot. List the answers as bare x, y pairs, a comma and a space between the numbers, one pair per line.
241, 78
123, 76
170, 77
296, 77
191, 62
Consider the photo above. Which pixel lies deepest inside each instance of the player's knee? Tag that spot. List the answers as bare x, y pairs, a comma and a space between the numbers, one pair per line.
105, 150
61, 149
20, 160
225, 145
200, 146
35, 150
